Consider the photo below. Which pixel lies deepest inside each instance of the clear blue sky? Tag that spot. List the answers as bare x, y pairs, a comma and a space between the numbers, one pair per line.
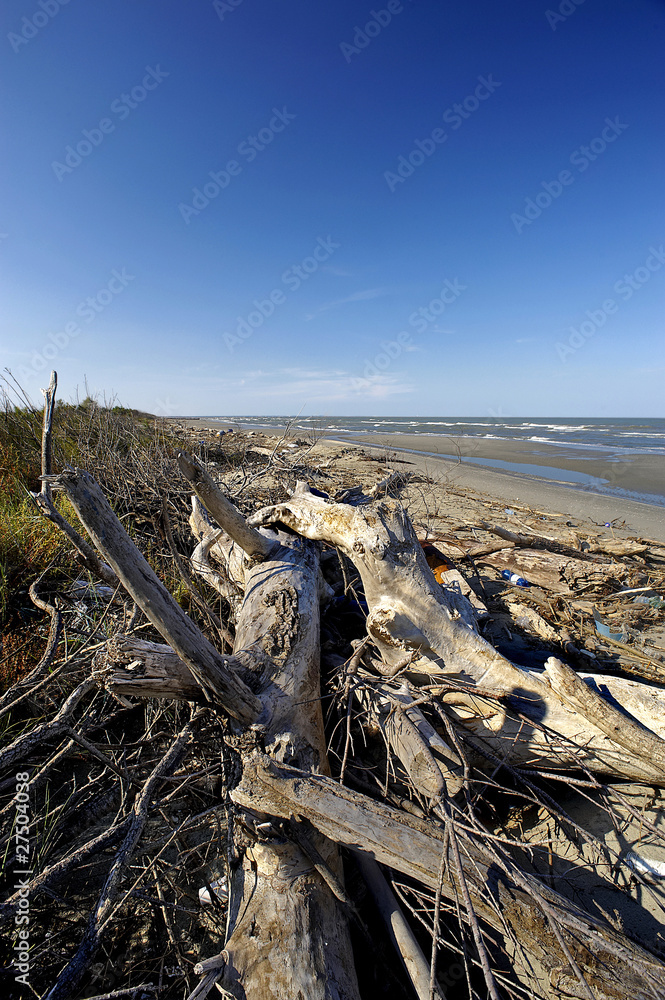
387, 252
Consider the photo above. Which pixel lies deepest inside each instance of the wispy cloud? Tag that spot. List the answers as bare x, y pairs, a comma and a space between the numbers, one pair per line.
362, 296
307, 384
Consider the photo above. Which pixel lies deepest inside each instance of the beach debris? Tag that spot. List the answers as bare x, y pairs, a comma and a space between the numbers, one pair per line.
217, 890
514, 579
560, 573
603, 628
645, 866
651, 602
528, 619
394, 483
444, 760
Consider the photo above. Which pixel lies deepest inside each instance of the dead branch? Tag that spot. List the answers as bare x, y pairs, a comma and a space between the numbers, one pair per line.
613, 966
75, 969
227, 516
212, 671
409, 613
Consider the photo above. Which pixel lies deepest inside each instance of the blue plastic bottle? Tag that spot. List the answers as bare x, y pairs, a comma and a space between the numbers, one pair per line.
517, 581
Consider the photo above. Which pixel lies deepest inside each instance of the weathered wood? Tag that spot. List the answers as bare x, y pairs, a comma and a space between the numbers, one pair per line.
47, 431
141, 669
206, 665
215, 541
399, 932
511, 902
433, 767
227, 516
618, 546
636, 739
287, 929
554, 571
409, 614
85, 552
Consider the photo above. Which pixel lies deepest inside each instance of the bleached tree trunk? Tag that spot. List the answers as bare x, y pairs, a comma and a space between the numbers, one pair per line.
535, 722
288, 932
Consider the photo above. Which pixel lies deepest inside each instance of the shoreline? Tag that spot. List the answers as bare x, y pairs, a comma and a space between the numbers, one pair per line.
514, 473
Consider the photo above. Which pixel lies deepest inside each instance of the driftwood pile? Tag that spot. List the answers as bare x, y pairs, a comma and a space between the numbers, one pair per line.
449, 779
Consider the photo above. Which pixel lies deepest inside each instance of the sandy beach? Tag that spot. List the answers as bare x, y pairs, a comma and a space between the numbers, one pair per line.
518, 481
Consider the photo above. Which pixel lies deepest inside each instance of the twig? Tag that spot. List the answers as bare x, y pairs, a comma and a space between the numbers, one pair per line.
69, 979
49, 405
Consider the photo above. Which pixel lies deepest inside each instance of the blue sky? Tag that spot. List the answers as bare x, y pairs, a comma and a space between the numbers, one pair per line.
415, 207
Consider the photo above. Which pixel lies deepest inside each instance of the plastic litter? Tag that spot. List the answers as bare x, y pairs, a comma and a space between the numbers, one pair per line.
509, 511
517, 581
645, 866
652, 602
219, 887
602, 628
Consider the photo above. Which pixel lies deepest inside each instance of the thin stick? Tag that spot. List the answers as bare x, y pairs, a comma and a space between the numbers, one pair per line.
402, 937
47, 428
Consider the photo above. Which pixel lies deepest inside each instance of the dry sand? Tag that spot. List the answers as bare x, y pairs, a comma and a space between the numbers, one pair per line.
482, 487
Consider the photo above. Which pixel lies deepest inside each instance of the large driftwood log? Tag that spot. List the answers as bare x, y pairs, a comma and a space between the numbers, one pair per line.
514, 904
287, 929
554, 571
409, 614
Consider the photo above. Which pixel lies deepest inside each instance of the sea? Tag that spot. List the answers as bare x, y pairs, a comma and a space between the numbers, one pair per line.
636, 435
616, 440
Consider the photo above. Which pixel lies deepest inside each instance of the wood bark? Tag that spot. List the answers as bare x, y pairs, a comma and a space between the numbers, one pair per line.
287, 930
561, 573
409, 614
512, 903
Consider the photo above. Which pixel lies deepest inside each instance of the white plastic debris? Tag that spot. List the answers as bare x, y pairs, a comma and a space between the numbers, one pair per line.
221, 889
645, 866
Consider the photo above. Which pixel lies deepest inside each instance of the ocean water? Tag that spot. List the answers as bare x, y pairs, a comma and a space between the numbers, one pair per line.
606, 446
646, 436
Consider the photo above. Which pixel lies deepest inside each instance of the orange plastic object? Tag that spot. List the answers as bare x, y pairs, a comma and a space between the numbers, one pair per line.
436, 561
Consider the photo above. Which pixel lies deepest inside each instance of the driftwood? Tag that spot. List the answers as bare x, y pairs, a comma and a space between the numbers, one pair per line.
552, 570
613, 966
409, 614
210, 668
278, 895
287, 933
276, 647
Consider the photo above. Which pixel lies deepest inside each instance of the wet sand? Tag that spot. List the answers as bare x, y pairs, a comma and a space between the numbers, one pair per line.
645, 471
582, 467
519, 474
